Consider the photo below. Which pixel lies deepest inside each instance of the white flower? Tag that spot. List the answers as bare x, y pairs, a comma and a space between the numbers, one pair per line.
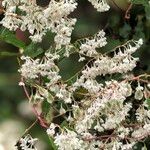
129, 90
62, 92
98, 127
121, 62
139, 92
123, 132
89, 47
27, 143
113, 91
81, 59
100, 5
68, 140
62, 110
21, 83
70, 119
141, 133
31, 69
128, 146
51, 130
148, 85
37, 20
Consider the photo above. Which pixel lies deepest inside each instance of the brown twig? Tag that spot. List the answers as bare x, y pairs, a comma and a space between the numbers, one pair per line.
139, 78
30, 127
107, 137
127, 13
38, 116
114, 3
43, 123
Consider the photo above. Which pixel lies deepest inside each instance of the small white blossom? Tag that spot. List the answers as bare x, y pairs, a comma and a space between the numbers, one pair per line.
62, 110
37, 20
51, 130
123, 132
68, 140
27, 143
89, 47
139, 92
100, 5
31, 69
141, 133
21, 83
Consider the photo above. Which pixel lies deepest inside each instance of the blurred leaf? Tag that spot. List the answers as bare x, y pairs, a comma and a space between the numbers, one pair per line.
147, 143
144, 148
85, 28
10, 37
33, 50
70, 66
47, 40
114, 20
8, 54
52, 144
111, 44
47, 111
147, 11
148, 102
139, 29
45, 93
122, 4
143, 2
64, 124
138, 146
125, 31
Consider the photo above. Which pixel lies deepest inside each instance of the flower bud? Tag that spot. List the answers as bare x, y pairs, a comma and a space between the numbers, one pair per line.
139, 93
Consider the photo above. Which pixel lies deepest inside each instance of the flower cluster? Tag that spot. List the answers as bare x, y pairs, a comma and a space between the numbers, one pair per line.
122, 61
96, 110
89, 47
100, 5
32, 69
112, 95
68, 140
27, 15
26, 143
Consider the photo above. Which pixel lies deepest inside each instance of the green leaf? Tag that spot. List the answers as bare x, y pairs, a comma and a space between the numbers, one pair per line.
10, 37
147, 11
144, 148
111, 44
48, 40
125, 31
148, 102
33, 50
8, 54
143, 2
139, 30
47, 111
64, 124
52, 144
114, 20
138, 146
70, 67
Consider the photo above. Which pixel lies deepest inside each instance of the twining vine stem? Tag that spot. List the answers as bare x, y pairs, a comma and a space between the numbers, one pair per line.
41, 120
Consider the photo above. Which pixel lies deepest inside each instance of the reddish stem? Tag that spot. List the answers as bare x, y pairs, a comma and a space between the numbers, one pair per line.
38, 116
127, 14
